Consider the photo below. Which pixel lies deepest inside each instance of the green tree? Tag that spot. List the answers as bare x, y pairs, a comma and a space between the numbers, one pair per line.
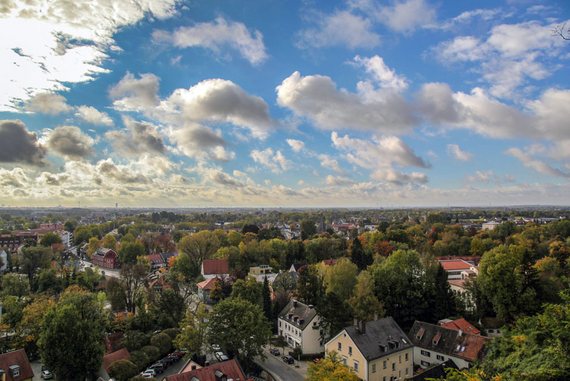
308, 229
140, 359
310, 287
69, 226
358, 256
163, 342
82, 234
109, 242
331, 368
194, 330
248, 289
152, 352
122, 370
341, 278
15, 285
240, 327
49, 239
71, 341
33, 260
197, 247
129, 251
440, 299
94, 244
130, 289
364, 303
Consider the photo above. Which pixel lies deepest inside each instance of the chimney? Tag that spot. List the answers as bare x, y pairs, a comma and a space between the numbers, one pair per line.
356, 323
362, 327
375, 316
311, 306
295, 303
460, 333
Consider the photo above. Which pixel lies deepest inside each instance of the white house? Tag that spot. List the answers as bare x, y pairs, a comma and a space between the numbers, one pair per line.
298, 323
212, 268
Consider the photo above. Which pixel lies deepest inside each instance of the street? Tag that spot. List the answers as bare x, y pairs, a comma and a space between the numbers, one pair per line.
283, 371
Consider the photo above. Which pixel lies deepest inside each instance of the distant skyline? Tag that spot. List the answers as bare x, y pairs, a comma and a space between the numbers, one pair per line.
278, 103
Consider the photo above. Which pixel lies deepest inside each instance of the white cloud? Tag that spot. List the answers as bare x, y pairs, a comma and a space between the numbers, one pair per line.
330, 163
296, 145
316, 98
331, 180
132, 94
47, 103
199, 141
93, 116
381, 73
407, 16
457, 154
342, 28
276, 162
55, 43
391, 175
71, 143
16, 178
466, 17
217, 34
538, 165
140, 138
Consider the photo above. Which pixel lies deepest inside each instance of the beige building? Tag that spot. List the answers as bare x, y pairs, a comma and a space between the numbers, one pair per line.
377, 351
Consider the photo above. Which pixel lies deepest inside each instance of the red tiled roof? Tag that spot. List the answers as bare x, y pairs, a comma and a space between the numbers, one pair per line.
207, 284
330, 262
230, 368
16, 358
457, 282
471, 258
155, 258
121, 354
112, 341
462, 324
455, 265
215, 266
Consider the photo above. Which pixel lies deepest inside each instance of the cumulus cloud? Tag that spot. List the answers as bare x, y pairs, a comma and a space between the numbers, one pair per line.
381, 73
142, 138
508, 58
544, 118
215, 35
391, 175
48, 103
120, 173
339, 180
70, 44
538, 165
296, 145
330, 163
18, 145
70, 142
317, 98
218, 177
457, 154
342, 28
16, 178
276, 162
383, 151
407, 16
93, 116
467, 17
51, 179
198, 141
135, 94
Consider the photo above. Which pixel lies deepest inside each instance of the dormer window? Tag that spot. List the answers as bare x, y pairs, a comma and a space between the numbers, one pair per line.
15, 371
420, 333
436, 339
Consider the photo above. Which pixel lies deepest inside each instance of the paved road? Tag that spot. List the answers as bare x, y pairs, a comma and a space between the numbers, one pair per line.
284, 371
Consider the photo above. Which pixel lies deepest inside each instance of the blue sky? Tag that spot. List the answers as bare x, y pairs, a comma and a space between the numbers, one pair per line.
284, 103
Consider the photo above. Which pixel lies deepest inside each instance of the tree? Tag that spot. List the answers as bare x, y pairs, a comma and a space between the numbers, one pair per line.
49, 239
71, 341
140, 359
69, 226
82, 234
163, 342
170, 308
341, 278
364, 303
129, 251
558, 31
358, 255
266, 300
94, 244
198, 247
308, 229
331, 368
30, 325
438, 294
335, 314
122, 370
33, 260
249, 289
194, 330
240, 327
310, 286
152, 352
109, 242
15, 285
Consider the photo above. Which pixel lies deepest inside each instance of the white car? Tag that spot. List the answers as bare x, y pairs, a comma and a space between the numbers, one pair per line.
216, 347
221, 356
46, 374
149, 373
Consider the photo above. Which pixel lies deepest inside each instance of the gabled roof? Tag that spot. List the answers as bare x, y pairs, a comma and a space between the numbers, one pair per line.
330, 262
16, 358
455, 264
215, 267
301, 311
103, 252
461, 324
437, 372
121, 354
207, 284
230, 368
452, 343
380, 338
155, 258
296, 266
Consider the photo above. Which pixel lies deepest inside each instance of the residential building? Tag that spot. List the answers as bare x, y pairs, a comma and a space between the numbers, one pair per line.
434, 344
16, 366
106, 258
223, 371
455, 267
204, 289
459, 325
490, 225
377, 351
121, 354
261, 272
298, 323
156, 261
438, 372
212, 268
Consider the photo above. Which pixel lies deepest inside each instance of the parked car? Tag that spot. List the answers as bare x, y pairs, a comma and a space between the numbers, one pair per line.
275, 352
316, 361
149, 373
288, 359
157, 367
216, 347
46, 374
221, 356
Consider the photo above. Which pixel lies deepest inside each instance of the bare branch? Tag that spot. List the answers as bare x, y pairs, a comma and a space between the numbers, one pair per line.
559, 31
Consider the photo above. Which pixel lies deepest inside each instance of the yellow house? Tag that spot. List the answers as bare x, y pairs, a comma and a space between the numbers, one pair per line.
377, 351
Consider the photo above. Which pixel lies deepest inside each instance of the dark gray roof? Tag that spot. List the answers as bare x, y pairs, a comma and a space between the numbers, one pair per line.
302, 311
447, 341
380, 338
102, 251
437, 372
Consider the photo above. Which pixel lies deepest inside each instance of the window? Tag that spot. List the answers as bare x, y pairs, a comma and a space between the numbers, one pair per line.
16, 372
384, 365
425, 353
279, 323
373, 368
400, 359
393, 366
406, 372
344, 360
384, 378
440, 358
350, 350
424, 363
406, 357
340, 346
355, 366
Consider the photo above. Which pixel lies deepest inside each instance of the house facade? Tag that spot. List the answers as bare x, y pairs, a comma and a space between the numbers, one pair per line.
298, 323
434, 344
212, 268
106, 258
204, 289
377, 351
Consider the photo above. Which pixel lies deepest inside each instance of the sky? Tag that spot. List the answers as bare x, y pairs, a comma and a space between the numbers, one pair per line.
282, 103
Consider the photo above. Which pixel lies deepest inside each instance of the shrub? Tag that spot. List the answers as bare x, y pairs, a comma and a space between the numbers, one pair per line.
123, 369
163, 342
140, 359
152, 352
